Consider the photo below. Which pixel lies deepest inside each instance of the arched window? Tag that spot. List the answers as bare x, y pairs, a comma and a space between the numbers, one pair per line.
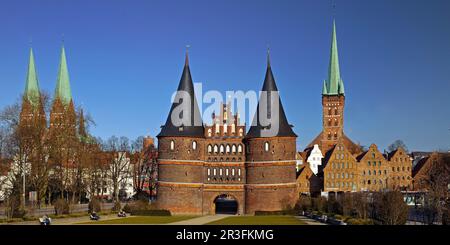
241, 132
209, 132
329, 122
216, 149
233, 128
194, 145
221, 149
266, 146
240, 148
233, 149
225, 128
209, 148
227, 149
335, 111
172, 145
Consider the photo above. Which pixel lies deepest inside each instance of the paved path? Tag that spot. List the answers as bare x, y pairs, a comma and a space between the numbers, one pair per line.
200, 220
309, 221
65, 221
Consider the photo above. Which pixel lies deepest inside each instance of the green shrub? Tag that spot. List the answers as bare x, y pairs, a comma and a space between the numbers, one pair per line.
61, 207
94, 205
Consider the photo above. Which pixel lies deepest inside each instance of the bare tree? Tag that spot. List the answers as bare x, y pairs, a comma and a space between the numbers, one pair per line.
398, 143
144, 162
390, 208
119, 165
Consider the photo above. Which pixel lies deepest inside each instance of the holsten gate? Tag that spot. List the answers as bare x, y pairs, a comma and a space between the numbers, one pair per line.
220, 168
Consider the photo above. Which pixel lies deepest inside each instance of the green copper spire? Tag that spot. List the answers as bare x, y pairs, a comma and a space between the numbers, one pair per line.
32, 84
62, 90
334, 84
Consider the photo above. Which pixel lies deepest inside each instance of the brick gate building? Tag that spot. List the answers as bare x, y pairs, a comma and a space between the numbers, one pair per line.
200, 164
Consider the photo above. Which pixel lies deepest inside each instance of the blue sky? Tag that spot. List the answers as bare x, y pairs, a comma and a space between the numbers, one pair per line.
125, 60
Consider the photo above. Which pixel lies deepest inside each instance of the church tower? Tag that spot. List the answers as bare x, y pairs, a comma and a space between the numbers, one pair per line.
32, 113
333, 100
270, 153
181, 152
62, 114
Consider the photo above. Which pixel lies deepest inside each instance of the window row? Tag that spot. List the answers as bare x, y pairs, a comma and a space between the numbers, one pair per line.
403, 178
224, 149
225, 130
223, 172
340, 184
340, 175
373, 164
342, 165
403, 169
373, 182
172, 145
374, 172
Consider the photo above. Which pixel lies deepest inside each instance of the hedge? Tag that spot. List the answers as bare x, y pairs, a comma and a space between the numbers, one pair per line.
154, 212
280, 212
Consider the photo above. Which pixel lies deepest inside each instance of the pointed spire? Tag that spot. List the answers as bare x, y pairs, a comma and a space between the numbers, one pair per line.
334, 76
284, 128
186, 60
63, 91
32, 84
324, 88
195, 127
268, 56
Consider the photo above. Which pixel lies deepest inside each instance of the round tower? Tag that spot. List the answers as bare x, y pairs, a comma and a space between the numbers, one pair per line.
181, 152
270, 156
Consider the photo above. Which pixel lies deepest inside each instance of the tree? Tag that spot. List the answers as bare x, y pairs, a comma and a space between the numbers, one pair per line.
437, 194
117, 152
144, 162
398, 143
390, 208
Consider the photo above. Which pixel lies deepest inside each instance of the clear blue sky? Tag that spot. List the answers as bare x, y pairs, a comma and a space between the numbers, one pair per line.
125, 60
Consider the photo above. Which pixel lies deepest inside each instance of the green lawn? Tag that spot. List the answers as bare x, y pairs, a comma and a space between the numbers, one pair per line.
142, 220
258, 220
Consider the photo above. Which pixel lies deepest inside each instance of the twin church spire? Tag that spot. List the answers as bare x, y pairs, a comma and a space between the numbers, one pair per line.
62, 91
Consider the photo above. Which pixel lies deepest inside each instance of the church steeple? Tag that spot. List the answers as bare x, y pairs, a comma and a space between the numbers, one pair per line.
32, 93
283, 129
334, 84
63, 91
184, 118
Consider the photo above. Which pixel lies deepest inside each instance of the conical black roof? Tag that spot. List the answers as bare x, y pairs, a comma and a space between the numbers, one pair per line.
259, 128
194, 127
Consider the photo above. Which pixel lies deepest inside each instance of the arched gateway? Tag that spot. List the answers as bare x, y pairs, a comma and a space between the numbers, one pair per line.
226, 204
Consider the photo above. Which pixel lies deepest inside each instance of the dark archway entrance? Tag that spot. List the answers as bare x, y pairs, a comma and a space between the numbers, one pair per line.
226, 204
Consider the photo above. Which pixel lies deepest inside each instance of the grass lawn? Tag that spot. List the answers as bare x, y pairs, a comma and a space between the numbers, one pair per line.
259, 220
142, 220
